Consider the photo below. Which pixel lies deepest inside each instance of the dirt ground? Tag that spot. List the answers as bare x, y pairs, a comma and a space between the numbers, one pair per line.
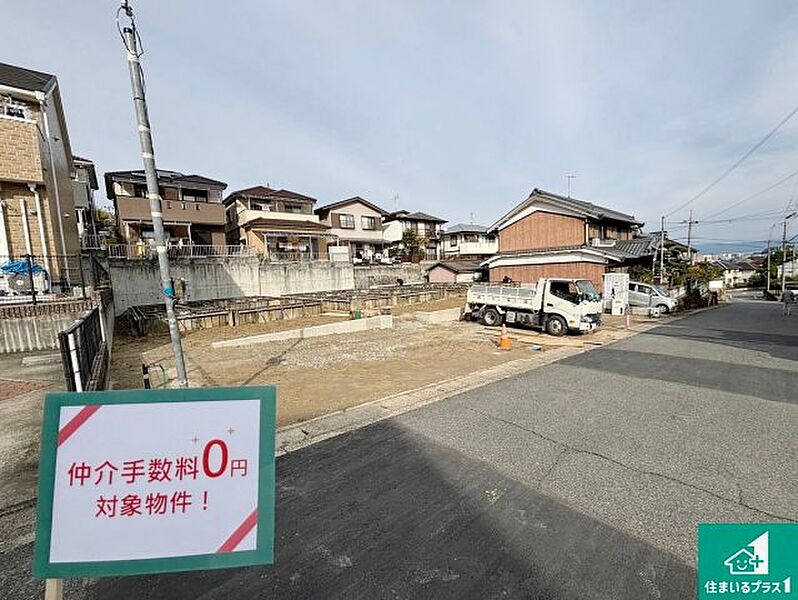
320, 375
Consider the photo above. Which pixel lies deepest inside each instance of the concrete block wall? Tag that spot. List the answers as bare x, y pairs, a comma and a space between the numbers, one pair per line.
373, 275
137, 282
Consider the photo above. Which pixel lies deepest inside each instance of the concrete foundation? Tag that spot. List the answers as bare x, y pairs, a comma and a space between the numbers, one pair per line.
356, 325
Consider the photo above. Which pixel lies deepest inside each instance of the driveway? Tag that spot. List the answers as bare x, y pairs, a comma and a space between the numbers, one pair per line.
582, 479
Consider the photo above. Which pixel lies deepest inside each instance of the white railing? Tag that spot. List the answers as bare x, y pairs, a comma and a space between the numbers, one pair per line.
143, 251
298, 256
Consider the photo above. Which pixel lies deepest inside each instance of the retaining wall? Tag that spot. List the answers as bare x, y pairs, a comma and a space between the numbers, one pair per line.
25, 328
137, 282
376, 275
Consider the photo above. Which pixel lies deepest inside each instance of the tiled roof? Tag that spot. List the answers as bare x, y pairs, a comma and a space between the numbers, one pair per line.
413, 216
165, 177
328, 207
286, 225
26, 79
261, 191
459, 266
461, 228
587, 209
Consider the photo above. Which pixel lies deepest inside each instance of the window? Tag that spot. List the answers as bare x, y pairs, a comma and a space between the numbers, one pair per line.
296, 209
368, 223
195, 195
471, 237
566, 290
10, 108
347, 221
256, 205
453, 241
140, 190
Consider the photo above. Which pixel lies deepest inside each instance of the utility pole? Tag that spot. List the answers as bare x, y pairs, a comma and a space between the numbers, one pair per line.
690, 223
662, 250
130, 36
768, 283
784, 252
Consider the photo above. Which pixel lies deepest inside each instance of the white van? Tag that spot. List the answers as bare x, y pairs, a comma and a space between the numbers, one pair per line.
645, 294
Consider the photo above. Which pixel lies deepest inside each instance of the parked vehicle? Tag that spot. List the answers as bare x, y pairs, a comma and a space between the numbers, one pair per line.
554, 305
644, 294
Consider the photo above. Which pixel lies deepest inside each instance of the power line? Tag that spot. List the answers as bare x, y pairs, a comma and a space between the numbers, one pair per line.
739, 161
752, 196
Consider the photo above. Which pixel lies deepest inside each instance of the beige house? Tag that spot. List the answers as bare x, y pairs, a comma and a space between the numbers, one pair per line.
279, 224
357, 223
192, 207
37, 210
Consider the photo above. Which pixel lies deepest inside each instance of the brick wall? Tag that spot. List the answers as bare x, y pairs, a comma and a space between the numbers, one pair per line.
20, 156
542, 230
531, 273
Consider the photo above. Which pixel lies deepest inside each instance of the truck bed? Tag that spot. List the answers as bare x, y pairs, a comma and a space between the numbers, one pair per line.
503, 295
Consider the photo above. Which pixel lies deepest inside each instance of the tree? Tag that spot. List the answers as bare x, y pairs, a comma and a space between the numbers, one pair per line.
412, 243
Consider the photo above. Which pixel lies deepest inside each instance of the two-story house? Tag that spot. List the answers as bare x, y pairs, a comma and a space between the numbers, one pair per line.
468, 241
84, 184
548, 235
279, 224
357, 223
191, 204
37, 210
427, 228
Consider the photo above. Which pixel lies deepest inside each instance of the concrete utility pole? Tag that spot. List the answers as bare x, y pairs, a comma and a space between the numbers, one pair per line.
130, 37
690, 224
784, 253
768, 284
662, 250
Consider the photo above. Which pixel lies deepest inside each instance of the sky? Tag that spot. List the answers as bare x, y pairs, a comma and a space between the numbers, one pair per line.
454, 108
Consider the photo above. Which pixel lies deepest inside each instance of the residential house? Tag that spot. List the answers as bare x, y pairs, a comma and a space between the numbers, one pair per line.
644, 252
357, 223
791, 268
191, 205
468, 241
37, 209
459, 270
548, 235
280, 224
84, 184
736, 273
427, 227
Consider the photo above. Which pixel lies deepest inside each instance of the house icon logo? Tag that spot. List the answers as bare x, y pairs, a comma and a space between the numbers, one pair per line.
750, 560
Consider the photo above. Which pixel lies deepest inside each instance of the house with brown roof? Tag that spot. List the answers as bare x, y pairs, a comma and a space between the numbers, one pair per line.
191, 204
37, 207
356, 223
427, 227
279, 224
548, 235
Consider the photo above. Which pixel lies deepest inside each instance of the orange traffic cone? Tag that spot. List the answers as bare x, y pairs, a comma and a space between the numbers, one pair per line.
504, 340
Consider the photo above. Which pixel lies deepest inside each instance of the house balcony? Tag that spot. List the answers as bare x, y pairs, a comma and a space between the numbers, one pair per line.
247, 216
472, 248
131, 208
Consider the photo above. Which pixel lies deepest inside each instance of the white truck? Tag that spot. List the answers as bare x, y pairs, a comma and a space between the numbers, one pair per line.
554, 305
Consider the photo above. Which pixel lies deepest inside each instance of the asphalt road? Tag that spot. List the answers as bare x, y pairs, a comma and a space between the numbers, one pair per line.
581, 479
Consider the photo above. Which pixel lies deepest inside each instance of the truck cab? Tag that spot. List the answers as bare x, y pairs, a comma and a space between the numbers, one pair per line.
557, 305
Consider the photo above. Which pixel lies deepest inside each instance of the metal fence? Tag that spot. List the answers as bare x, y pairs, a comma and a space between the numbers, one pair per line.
34, 278
84, 354
147, 251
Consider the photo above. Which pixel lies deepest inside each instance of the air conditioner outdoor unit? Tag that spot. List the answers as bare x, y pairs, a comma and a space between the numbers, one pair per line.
599, 243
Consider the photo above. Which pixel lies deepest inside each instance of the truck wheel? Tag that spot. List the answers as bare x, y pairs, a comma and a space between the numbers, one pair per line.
491, 317
556, 325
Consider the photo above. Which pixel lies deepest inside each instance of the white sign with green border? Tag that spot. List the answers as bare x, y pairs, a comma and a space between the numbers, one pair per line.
154, 481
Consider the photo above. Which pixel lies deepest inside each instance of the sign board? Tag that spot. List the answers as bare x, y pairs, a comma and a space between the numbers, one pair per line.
616, 288
747, 560
154, 481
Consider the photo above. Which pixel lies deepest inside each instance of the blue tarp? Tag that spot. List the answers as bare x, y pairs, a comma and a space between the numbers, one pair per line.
20, 267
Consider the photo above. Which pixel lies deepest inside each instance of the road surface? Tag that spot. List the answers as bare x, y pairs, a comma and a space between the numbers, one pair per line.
581, 479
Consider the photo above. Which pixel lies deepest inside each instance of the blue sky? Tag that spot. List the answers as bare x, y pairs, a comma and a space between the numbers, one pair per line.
456, 107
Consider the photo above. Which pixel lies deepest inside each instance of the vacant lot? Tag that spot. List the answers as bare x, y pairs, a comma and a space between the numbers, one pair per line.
320, 375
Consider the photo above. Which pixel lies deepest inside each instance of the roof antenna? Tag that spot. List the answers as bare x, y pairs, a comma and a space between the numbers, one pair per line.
472, 218
396, 202
569, 178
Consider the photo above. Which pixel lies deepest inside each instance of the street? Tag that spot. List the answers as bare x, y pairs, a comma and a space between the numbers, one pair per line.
581, 479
